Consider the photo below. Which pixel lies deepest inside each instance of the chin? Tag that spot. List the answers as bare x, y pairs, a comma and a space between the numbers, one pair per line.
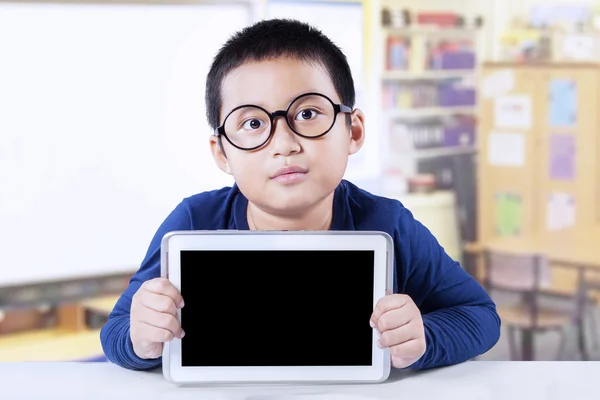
290, 199
289, 206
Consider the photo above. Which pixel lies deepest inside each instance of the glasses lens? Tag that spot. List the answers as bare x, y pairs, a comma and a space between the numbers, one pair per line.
248, 127
311, 115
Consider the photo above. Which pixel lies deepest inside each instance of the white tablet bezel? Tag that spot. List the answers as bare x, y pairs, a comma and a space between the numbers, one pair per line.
379, 242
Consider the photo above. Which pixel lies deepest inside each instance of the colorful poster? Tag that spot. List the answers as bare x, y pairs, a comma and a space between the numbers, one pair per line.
508, 214
513, 112
563, 103
562, 157
560, 211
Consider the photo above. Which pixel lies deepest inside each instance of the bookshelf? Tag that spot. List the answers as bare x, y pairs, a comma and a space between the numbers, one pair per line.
429, 112
426, 75
428, 78
428, 68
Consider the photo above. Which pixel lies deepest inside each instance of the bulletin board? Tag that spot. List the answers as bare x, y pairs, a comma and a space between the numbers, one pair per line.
538, 170
568, 175
540, 149
508, 158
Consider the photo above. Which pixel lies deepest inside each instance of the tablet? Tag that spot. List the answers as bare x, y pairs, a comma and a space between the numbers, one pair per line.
277, 307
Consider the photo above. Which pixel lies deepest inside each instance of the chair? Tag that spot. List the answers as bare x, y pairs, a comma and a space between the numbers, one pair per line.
526, 275
593, 285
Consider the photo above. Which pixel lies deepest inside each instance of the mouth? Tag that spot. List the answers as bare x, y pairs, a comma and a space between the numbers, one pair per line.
290, 174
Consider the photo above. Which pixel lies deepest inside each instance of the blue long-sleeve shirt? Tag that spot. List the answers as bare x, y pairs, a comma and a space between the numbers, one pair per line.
459, 317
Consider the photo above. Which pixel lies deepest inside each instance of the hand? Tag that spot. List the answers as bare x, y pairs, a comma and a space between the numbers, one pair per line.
400, 326
153, 317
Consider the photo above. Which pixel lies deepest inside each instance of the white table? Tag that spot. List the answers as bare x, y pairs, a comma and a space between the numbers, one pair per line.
476, 380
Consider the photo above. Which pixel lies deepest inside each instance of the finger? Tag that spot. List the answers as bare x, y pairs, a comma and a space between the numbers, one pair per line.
407, 353
394, 319
165, 287
155, 334
387, 303
161, 320
394, 337
159, 302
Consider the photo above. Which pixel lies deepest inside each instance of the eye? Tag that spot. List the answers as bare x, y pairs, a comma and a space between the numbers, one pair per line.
253, 124
306, 115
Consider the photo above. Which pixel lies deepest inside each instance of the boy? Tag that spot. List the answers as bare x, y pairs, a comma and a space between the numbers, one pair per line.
288, 167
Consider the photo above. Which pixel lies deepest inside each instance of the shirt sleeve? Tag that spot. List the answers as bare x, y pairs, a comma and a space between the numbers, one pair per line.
114, 335
460, 318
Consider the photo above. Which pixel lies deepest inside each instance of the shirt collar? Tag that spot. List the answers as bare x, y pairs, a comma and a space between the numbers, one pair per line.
342, 219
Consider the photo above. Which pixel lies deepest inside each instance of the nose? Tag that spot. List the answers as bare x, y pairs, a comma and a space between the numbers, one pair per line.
284, 141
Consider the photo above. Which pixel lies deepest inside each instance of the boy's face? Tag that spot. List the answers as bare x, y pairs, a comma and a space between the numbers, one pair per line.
272, 85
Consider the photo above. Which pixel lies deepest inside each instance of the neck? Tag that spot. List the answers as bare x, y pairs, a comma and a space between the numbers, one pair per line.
318, 218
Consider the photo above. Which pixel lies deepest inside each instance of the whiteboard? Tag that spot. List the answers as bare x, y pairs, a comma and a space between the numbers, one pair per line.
103, 130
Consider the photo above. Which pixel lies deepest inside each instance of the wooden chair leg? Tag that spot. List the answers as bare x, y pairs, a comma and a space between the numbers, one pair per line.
562, 345
512, 344
593, 326
527, 348
581, 340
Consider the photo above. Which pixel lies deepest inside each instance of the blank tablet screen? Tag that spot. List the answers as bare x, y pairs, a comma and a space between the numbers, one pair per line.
277, 308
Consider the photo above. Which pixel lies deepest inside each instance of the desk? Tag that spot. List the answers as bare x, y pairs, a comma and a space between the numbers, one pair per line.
580, 248
474, 380
50, 345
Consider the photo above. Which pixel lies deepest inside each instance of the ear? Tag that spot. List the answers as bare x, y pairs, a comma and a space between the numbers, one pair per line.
218, 154
357, 131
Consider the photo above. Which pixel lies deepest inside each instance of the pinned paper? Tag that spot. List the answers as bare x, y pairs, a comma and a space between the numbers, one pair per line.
513, 112
563, 103
560, 211
506, 149
498, 83
562, 157
580, 47
508, 214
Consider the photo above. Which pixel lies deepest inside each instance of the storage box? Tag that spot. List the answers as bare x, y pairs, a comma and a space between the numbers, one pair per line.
456, 60
455, 94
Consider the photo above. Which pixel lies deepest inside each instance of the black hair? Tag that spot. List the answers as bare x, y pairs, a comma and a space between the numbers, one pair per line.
273, 38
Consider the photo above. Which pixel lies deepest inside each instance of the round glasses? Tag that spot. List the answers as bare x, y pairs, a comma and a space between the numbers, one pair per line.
310, 115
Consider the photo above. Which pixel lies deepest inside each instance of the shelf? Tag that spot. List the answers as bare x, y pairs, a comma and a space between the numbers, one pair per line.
437, 152
431, 30
428, 75
59, 292
100, 305
429, 112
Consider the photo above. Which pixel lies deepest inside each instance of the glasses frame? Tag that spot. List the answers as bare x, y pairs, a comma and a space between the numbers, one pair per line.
337, 108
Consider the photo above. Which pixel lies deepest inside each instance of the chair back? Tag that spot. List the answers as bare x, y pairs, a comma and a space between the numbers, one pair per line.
516, 272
